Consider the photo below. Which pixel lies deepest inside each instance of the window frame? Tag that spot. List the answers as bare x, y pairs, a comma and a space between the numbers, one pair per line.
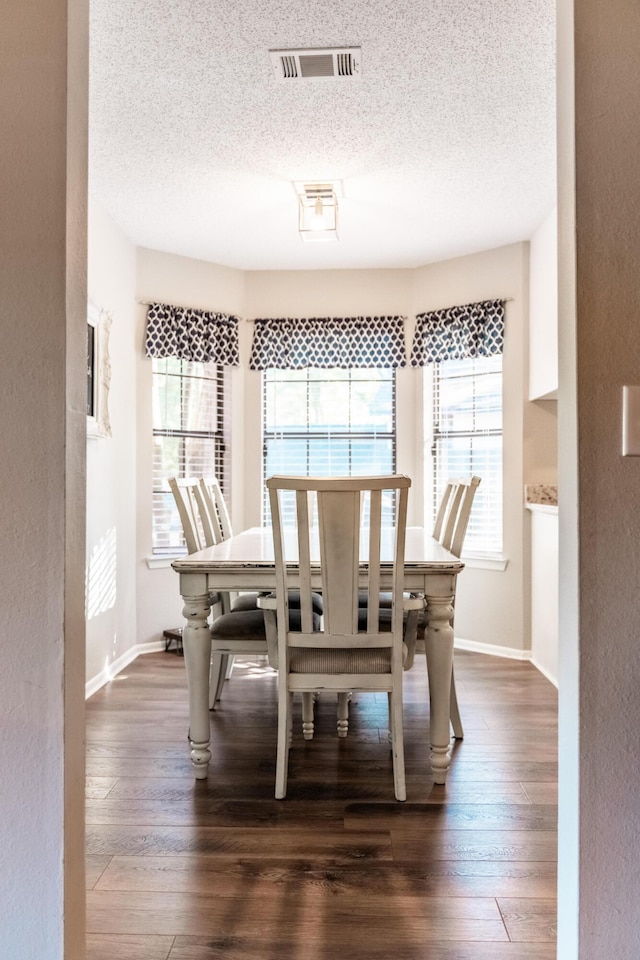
217, 436
435, 479
351, 375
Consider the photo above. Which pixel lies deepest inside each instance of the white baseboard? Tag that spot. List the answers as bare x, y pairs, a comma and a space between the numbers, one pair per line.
473, 646
93, 685
491, 649
545, 673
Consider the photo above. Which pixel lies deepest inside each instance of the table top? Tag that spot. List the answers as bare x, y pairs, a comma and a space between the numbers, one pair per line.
254, 548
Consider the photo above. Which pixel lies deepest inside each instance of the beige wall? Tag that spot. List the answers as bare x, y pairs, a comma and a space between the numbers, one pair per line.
111, 463
169, 279
541, 415
43, 117
599, 883
543, 309
493, 604
318, 293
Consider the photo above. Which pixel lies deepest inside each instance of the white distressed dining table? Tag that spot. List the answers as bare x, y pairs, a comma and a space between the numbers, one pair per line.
246, 562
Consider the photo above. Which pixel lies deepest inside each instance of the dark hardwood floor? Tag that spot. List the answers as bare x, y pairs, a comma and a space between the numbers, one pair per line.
186, 870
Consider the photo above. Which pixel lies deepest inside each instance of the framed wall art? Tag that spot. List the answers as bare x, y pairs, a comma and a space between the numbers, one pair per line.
98, 372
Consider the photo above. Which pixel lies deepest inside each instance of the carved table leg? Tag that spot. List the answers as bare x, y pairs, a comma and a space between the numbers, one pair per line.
439, 650
196, 644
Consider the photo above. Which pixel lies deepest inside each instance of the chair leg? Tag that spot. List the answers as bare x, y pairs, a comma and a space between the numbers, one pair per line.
454, 712
343, 714
284, 725
217, 671
389, 736
397, 744
307, 715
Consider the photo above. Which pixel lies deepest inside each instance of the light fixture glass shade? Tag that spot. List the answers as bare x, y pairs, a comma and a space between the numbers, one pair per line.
318, 216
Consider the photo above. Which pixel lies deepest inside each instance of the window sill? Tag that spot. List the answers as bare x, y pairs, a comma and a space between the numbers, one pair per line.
159, 563
485, 563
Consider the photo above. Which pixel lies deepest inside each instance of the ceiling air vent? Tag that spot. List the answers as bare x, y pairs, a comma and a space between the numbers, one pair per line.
325, 64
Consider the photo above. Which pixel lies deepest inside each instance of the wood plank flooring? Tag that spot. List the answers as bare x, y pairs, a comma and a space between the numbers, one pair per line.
220, 870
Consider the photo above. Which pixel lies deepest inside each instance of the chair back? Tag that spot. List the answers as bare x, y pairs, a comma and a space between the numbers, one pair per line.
184, 493
453, 514
342, 655
216, 521
349, 549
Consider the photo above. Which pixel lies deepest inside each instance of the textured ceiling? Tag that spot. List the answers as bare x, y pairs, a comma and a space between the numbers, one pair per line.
445, 144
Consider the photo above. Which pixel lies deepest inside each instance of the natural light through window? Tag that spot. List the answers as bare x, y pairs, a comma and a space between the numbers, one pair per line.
329, 422
463, 437
188, 438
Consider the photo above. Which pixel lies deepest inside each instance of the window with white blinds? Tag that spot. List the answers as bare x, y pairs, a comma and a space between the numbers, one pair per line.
188, 438
328, 423
463, 418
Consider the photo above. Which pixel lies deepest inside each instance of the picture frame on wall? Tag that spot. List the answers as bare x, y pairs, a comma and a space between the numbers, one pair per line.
98, 372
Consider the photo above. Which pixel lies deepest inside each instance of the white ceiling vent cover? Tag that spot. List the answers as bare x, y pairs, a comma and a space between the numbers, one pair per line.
320, 64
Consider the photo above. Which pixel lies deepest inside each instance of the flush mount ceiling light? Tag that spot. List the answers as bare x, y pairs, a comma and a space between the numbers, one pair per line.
317, 211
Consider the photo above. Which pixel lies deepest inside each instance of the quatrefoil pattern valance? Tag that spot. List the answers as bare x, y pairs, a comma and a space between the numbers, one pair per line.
347, 343
190, 334
458, 333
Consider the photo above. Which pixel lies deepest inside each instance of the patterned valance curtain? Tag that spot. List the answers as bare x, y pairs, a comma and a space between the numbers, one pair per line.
352, 342
457, 333
189, 334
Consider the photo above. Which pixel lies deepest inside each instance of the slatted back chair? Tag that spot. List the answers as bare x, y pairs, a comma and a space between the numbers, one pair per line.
215, 514
342, 655
216, 524
184, 490
450, 528
454, 510
234, 631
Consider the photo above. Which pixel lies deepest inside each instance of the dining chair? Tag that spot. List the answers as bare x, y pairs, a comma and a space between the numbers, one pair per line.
216, 518
216, 525
450, 528
185, 496
345, 654
233, 631
241, 628
454, 510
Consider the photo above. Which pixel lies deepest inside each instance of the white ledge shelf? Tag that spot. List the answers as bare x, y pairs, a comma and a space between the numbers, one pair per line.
542, 507
541, 494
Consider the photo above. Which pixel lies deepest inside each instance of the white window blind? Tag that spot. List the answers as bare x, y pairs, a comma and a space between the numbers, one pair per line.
328, 423
188, 438
464, 412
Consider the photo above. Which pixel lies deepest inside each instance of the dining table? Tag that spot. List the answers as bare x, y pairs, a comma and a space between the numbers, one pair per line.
245, 562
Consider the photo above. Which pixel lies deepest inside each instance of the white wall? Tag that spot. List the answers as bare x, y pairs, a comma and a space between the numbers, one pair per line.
541, 414
166, 278
327, 293
111, 463
491, 604
544, 590
497, 273
543, 306
569, 681
43, 116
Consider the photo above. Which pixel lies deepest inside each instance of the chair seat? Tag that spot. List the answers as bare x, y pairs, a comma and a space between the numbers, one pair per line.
344, 660
249, 601
363, 599
244, 601
384, 619
250, 623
